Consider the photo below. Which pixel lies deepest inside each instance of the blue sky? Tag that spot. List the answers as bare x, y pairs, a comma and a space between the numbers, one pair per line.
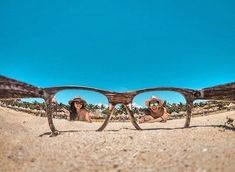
118, 45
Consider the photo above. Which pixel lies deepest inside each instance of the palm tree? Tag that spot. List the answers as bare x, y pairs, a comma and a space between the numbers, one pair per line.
90, 107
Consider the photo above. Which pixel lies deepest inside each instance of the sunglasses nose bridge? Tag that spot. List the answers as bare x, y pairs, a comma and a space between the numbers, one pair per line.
120, 98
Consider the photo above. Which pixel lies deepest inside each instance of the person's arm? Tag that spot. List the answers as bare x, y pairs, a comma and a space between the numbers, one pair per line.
160, 119
141, 120
165, 115
67, 113
88, 117
163, 118
145, 118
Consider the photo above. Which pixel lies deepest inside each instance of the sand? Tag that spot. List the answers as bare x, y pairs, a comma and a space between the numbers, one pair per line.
26, 146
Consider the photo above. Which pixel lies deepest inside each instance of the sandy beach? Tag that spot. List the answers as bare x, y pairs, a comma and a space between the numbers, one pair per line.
25, 145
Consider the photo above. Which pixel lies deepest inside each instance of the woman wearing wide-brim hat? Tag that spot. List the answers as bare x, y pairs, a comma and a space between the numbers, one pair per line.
78, 111
155, 112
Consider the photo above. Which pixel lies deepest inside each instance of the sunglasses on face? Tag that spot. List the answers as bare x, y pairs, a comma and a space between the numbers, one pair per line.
153, 104
78, 103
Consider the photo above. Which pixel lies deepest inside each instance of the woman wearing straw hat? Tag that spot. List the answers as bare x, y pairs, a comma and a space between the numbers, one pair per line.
77, 110
155, 112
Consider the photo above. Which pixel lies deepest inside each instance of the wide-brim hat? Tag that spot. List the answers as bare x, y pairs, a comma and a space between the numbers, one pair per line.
77, 99
153, 99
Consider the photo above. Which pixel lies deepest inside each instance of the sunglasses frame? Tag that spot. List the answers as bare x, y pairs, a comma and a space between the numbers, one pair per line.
153, 104
13, 89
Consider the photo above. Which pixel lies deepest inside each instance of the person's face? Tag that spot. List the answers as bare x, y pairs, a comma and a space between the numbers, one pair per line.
153, 106
78, 105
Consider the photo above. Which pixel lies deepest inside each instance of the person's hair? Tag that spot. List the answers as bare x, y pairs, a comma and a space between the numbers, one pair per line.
73, 112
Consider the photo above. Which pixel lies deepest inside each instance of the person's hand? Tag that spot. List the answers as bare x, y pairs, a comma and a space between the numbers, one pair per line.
141, 120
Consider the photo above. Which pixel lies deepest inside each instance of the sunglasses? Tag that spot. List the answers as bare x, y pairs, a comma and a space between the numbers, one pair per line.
78, 102
153, 104
108, 106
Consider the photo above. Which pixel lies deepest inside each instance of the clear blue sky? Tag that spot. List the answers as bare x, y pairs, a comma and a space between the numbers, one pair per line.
118, 45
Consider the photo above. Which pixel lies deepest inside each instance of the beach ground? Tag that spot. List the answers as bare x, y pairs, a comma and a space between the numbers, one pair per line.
25, 145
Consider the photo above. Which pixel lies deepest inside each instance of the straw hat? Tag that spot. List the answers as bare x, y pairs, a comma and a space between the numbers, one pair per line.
77, 99
154, 99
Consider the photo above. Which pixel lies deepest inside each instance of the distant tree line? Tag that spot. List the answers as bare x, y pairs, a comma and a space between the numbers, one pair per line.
120, 109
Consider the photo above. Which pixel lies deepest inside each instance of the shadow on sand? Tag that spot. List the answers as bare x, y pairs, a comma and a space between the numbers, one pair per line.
224, 127
74, 131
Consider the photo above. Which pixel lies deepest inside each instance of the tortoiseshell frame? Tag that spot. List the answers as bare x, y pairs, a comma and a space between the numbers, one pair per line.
10, 88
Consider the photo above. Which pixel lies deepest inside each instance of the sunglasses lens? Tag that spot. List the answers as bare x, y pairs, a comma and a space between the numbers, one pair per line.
153, 104
78, 103
170, 105
89, 113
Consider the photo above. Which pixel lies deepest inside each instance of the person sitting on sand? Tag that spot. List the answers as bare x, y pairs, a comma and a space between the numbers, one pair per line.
77, 110
155, 112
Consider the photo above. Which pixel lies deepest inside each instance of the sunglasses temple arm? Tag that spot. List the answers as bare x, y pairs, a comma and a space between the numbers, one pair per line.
224, 92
